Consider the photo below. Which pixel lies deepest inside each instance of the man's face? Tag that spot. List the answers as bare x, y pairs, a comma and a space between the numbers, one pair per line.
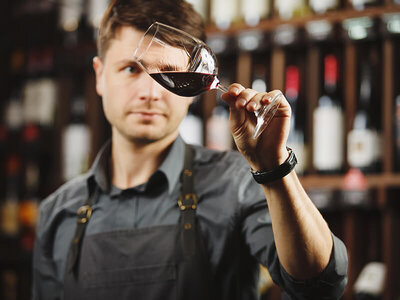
137, 107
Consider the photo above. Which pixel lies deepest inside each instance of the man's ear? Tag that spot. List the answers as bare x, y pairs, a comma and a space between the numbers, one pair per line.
98, 69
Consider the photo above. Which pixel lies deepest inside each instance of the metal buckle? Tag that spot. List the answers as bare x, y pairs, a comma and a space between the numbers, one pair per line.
192, 205
84, 214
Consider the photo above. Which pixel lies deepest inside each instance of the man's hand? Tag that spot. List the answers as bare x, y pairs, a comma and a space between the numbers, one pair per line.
269, 149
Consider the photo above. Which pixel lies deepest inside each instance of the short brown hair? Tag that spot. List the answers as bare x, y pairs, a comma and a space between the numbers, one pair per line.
142, 13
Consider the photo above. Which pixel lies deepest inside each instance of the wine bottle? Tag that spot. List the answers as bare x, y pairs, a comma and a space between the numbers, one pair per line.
361, 4
218, 133
321, 7
201, 7
253, 11
39, 101
370, 283
287, 9
191, 128
363, 140
75, 141
223, 14
397, 132
10, 206
296, 135
28, 208
95, 11
70, 14
328, 128
259, 77
14, 112
9, 280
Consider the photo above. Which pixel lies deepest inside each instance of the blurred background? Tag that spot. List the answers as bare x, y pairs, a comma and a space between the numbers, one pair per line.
337, 62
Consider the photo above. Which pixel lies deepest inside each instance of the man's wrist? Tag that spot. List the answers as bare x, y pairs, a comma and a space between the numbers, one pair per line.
266, 176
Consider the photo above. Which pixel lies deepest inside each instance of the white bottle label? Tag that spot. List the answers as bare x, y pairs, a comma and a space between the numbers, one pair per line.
76, 147
254, 10
9, 217
223, 13
96, 10
297, 144
200, 6
320, 6
363, 147
286, 8
191, 130
328, 138
218, 134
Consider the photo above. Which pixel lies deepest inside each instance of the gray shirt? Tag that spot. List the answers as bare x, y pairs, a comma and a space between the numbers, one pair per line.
232, 213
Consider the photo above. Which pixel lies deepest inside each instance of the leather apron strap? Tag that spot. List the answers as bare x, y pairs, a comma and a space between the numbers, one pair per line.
83, 216
188, 203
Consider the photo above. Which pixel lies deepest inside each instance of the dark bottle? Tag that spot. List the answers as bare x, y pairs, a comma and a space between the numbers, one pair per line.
361, 4
28, 208
363, 141
296, 135
328, 126
10, 206
397, 131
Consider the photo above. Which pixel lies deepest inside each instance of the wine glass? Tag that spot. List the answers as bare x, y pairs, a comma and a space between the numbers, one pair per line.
187, 67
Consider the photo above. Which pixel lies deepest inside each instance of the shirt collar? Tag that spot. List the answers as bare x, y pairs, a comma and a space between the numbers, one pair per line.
171, 167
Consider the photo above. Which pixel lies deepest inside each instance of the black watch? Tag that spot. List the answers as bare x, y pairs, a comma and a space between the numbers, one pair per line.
277, 173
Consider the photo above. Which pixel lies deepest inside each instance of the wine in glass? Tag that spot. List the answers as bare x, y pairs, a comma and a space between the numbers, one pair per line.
187, 67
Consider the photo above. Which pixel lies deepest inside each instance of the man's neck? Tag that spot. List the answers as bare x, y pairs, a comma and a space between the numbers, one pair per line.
133, 163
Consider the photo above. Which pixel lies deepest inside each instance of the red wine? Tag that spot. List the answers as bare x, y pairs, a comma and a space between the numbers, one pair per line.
186, 84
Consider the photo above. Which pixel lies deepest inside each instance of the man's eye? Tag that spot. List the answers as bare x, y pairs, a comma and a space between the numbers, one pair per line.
131, 70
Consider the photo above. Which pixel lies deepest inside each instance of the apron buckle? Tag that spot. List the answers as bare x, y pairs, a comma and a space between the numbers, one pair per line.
84, 214
192, 204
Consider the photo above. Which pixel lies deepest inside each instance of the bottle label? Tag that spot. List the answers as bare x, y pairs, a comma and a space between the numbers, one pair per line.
218, 133
191, 129
363, 147
328, 138
331, 70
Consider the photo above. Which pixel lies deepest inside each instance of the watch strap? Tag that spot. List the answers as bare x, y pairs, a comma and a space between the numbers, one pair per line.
279, 172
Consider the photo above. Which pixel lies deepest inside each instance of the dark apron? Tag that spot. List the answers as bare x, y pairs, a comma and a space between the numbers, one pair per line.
160, 262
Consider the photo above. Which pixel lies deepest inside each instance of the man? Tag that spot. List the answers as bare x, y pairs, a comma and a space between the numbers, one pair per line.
155, 219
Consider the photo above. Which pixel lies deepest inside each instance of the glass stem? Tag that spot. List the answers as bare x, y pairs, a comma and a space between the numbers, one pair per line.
222, 88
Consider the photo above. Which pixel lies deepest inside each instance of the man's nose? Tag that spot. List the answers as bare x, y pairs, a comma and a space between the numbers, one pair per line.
149, 89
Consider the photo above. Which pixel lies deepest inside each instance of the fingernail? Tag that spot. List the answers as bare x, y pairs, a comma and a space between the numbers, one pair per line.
235, 90
242, 102
266, 99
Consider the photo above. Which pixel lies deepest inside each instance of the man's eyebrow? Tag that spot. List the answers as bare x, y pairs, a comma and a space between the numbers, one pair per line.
161, 66
168, 67
128, 62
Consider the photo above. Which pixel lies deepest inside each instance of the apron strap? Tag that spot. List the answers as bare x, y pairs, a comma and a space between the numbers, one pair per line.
188, 203
83, 215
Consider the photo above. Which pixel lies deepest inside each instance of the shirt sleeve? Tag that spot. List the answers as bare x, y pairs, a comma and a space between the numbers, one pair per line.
258, 235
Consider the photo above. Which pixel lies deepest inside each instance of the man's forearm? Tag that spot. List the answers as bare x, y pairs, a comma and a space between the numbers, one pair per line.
302, 237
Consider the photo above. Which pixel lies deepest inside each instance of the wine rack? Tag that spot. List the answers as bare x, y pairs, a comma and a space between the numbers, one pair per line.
371, 232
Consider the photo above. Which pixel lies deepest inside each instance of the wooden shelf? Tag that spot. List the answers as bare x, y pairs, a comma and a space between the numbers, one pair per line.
336, 181
333, 17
